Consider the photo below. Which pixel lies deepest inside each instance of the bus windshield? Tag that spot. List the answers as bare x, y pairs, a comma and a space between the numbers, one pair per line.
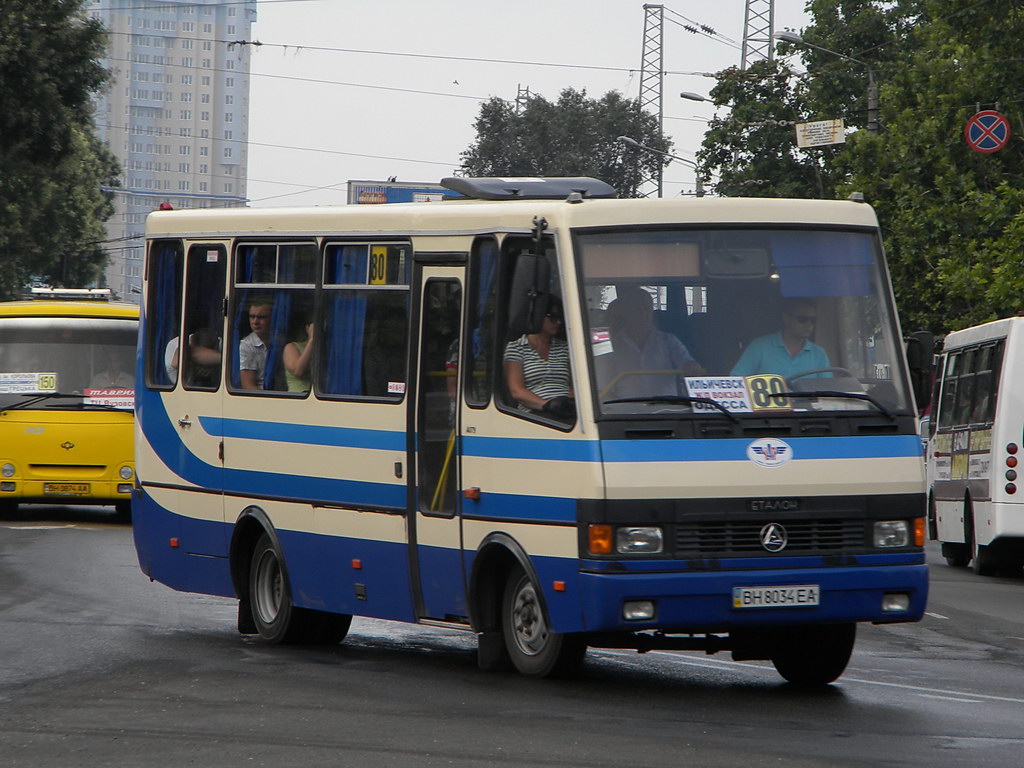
42, 357
680, 317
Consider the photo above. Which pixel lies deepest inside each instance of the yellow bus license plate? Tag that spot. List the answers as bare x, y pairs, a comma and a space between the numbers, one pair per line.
776, 597
66, 489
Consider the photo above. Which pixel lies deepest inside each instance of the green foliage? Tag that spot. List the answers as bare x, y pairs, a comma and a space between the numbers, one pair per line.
574, 136
51, 205
753, 151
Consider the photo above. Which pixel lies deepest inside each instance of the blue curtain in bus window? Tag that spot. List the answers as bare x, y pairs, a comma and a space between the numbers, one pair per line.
346, 320
165, 310
279, 322
823, 263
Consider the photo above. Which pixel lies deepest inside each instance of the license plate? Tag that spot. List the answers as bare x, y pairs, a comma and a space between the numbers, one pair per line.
66, 489
776, 597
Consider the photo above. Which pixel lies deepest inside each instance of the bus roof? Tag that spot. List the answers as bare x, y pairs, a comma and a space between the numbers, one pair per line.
57, 308
467, 216
996, 329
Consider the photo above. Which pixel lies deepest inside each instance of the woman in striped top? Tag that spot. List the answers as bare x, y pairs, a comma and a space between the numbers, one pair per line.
537, 364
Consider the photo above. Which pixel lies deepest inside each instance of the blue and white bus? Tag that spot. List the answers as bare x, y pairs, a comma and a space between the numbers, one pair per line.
371, 460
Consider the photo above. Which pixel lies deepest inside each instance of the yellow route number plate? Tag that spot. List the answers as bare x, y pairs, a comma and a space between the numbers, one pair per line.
66, 489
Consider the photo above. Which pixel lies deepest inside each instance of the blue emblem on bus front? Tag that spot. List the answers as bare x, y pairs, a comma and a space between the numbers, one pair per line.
769, 452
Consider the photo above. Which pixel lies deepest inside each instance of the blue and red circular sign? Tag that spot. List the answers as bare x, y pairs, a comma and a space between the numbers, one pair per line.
988, 131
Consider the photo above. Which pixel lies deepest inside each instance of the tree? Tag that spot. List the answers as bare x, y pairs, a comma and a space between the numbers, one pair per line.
753, 150
951, 217
51, 204
574, 136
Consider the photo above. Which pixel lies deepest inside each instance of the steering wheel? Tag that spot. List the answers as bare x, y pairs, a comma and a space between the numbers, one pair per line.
839, 371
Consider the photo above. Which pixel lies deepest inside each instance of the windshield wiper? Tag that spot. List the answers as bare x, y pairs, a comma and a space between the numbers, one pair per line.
38, 398
674, 399
832, 393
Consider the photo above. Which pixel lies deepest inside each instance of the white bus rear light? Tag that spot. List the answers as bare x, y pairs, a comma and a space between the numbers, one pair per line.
8, 487
7, 470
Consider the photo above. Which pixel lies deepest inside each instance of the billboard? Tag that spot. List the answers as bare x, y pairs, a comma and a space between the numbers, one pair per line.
375, 192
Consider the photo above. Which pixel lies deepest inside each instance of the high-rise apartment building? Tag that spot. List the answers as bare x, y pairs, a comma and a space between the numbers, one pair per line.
176, 114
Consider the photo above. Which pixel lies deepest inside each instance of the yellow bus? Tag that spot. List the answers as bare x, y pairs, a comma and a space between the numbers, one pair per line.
67, 391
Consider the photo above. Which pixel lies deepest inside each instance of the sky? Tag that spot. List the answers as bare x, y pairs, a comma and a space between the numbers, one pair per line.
368, 89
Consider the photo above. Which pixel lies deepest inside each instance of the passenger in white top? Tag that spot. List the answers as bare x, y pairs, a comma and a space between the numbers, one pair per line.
252, 350
641, 354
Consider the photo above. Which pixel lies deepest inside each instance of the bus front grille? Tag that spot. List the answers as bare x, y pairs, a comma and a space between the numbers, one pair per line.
724, 539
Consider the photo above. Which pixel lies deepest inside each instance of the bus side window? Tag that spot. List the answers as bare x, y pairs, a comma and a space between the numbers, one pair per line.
549, 380
272, 308
163, 304
966, 386
986, 383
200, 357
366, 320
949, 388
478, 354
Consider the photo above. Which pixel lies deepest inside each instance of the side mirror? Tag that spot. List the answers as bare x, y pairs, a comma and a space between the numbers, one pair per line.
528, 296
921, 362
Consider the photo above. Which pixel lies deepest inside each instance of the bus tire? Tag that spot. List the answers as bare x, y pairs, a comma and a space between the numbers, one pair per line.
983, 562
957, 555
123, 511
276, 617
534, 649
814, 655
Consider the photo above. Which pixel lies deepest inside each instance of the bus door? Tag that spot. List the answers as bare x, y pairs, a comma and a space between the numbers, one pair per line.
198, 398
435, 530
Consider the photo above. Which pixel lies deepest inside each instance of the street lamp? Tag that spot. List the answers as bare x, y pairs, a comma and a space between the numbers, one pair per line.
793, 37
629, 142
695, 97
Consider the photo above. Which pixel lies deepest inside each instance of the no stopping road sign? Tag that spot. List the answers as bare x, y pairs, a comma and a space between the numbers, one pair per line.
988, 131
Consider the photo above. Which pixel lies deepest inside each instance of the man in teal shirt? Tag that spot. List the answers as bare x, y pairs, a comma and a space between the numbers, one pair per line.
789, 351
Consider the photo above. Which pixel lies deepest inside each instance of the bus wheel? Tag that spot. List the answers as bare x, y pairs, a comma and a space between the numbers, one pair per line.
983, 562
123, 511
957, 555
814, 655
276, 617
535, 650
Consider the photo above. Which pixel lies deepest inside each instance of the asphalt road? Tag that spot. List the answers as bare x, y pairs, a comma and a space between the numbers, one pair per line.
100, 667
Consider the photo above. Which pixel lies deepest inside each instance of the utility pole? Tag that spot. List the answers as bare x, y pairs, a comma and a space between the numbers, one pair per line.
522, 96
652, 77
758, 27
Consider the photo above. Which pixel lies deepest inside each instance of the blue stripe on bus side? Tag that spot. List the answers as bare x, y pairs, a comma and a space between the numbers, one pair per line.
555, 449
161, 434
306, 434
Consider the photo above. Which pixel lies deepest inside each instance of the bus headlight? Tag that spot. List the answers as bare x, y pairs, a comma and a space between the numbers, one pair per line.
892, 533
7, 470
125, 472
639, 540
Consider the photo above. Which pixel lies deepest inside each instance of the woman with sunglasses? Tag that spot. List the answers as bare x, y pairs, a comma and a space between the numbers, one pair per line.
537, 368
789, 350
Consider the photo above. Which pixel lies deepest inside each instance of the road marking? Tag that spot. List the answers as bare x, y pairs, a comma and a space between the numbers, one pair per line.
947, 698
936, 615
970, 696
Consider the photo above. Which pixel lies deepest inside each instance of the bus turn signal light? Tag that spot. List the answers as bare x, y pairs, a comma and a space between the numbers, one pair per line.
919, 530
600, 539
